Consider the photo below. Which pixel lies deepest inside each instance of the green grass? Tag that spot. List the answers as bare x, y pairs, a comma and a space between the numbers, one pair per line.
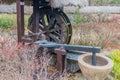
78, 19
115, 1
26, 20
108, 1
8, 21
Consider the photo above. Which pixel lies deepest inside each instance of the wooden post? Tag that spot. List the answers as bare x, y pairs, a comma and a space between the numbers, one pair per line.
36, 17
61, 59
20, 19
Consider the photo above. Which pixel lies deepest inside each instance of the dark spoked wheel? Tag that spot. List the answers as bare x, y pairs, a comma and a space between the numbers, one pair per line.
54, 26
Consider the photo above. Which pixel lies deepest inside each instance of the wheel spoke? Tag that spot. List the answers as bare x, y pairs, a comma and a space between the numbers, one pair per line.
42, 24
55, 30
55, 38
52, 24
41, 27
56, 33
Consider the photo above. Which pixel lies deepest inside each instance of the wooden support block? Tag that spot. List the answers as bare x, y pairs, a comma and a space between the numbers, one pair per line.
61, 59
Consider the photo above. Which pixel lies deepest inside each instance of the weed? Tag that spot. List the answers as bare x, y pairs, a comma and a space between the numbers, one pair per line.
115, 56
78, 19
26, 20
9, 21
19, 62
96, 34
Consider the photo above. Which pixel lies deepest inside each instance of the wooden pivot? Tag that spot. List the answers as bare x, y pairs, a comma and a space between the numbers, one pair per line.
61, 59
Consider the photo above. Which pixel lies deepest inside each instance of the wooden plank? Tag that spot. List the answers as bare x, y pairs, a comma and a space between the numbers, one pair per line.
69, 47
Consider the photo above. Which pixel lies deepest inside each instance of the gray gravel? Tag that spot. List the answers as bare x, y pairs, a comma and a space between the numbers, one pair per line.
101, 9
12, 9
